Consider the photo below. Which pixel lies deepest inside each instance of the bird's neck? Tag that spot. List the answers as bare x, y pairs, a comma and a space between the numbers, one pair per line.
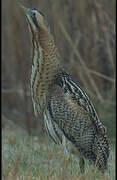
45, 62
44, 55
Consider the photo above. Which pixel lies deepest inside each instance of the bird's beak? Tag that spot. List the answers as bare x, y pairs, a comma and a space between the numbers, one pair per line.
25, 10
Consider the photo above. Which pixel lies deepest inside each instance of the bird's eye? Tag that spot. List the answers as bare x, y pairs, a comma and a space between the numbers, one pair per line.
33, 14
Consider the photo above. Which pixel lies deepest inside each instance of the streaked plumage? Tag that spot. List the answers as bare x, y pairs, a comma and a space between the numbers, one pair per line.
69, 115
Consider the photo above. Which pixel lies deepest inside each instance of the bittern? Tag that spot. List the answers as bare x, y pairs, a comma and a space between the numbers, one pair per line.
69, 115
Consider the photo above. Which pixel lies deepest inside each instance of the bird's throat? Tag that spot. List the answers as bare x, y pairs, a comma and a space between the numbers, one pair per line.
45, 65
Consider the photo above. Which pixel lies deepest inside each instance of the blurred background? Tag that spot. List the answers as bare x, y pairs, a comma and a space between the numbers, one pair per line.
84, 32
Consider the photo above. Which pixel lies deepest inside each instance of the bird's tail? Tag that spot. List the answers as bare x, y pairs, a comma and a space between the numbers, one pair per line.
102, 152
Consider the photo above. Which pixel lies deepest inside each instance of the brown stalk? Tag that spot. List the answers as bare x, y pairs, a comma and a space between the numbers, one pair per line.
81, 61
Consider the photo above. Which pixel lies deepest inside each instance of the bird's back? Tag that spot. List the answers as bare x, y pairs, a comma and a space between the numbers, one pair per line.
71, 110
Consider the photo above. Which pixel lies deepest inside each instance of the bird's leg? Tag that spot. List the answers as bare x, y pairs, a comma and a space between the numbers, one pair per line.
71, 161
64, 145
68, 158
82, 165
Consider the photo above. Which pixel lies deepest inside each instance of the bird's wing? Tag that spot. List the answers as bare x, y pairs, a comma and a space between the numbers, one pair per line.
74, 122
80, 98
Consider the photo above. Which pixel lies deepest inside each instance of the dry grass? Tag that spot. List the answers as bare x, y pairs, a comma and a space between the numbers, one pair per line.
28, 158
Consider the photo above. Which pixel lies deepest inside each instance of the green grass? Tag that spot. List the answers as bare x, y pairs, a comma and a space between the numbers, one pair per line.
28, 158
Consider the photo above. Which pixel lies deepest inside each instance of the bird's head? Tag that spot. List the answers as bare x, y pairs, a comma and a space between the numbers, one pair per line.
35, 18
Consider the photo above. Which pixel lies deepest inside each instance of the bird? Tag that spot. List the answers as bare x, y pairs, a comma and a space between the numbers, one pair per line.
69, 115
